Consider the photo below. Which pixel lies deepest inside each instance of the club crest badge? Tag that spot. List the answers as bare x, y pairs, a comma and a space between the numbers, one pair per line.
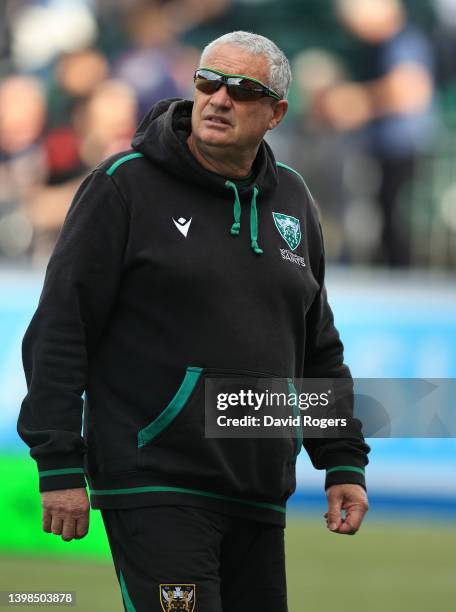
178, 597
289, 228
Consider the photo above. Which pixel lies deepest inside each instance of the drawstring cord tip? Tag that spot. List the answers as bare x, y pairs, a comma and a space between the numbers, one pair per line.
256, 249
235, 228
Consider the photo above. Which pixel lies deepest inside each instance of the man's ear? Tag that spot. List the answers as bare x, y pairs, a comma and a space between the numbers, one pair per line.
280, 110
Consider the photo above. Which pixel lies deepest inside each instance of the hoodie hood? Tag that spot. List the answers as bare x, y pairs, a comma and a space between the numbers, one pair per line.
162, 137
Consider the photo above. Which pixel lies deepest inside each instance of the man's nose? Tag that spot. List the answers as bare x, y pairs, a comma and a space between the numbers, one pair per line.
221, 97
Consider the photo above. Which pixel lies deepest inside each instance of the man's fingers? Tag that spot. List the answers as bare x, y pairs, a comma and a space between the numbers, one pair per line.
57, 524
82, 526
47, 520
66, 512
68, 528
353, 519
355, 515
66, 525
333, 517
346, 528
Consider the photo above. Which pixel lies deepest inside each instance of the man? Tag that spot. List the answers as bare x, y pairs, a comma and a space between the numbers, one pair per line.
158, 282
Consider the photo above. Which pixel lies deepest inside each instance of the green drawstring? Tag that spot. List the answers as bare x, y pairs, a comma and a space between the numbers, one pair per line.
254, 222
236, 227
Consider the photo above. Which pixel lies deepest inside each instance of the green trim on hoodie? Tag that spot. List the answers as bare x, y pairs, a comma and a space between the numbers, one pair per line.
296, 412
167, 416
291, 170
61, 472
159, 489
110, 171
345, 468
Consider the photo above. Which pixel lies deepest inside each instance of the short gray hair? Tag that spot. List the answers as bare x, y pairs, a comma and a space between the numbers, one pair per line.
279, 66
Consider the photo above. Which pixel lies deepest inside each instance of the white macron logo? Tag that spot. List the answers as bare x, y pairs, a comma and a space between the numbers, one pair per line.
182, 225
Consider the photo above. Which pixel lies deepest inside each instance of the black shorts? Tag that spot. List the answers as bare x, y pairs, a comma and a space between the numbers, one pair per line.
185, 559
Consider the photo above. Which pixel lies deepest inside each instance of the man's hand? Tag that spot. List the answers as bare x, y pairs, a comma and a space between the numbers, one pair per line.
349, 497
66, 513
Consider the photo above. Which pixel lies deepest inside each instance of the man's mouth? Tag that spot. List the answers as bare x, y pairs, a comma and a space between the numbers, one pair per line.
217, 119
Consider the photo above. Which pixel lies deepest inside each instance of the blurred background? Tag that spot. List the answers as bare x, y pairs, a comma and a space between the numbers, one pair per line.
372, 128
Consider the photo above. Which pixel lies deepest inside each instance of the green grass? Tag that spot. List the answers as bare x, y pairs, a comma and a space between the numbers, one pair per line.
386, 567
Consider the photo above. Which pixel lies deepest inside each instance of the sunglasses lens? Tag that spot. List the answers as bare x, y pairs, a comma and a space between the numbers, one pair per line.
242, 94
207, 86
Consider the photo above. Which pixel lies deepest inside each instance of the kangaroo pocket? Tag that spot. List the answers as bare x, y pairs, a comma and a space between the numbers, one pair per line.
175, 449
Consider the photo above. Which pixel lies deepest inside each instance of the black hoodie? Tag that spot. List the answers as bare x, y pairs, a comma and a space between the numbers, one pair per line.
164, 274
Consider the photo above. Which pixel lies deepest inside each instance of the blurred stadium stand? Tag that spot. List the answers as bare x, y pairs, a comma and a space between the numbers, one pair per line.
75, 77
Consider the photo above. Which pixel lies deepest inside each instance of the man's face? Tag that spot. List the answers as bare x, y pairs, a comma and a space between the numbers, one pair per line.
220, 122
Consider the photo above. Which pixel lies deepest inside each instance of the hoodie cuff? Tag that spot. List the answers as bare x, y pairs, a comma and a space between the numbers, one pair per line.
66, 473
345, 474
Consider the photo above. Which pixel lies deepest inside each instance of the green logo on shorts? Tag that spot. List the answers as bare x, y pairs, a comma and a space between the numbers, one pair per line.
289, 228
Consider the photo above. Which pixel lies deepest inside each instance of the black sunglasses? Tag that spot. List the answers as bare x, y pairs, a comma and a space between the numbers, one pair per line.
240, 88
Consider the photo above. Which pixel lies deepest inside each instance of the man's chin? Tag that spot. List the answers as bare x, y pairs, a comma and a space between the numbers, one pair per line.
211, 138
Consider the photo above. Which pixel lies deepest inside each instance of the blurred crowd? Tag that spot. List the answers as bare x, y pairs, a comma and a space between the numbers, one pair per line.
373, 131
